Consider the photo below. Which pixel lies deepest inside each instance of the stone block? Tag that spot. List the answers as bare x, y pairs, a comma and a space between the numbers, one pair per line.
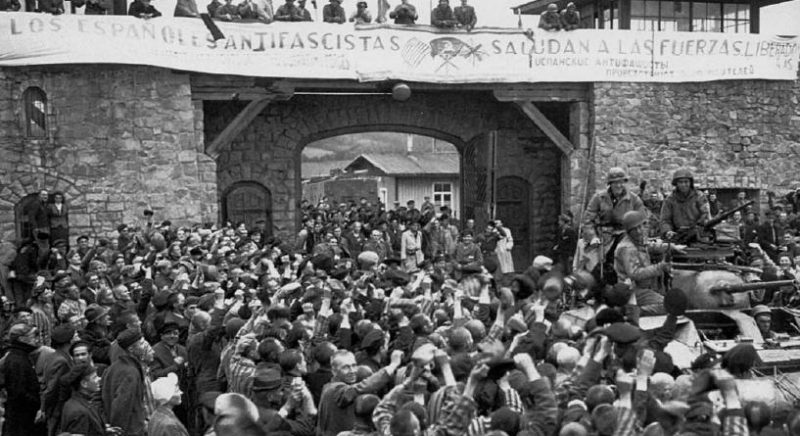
187, 156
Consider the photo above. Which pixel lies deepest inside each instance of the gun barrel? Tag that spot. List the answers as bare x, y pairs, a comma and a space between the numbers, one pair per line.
713, 266
724, 215
744, 287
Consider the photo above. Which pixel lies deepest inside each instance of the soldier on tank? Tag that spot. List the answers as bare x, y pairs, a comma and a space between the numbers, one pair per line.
602, 223
763, 316
684, 210
632, 264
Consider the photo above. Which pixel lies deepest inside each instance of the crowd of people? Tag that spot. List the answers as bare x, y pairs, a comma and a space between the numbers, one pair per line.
370, 321
404, 13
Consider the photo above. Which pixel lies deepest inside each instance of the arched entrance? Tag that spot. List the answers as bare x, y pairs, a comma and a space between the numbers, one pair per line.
513, 209
251, 203
268, 150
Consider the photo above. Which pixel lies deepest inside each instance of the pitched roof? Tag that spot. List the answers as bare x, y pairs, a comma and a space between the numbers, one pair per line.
413, 164
316, 169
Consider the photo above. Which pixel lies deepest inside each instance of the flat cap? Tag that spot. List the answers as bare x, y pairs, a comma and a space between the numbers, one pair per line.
622, 333
266, 379
129, 337
62, 334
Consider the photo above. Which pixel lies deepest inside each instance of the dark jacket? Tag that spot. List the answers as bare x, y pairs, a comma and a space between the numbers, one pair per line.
10, 5
138, 9
58, 364
80, 416
123, 395
99, 341
333, 14
59, 222
37, 217
22, 390
336, 405
204, 350
186, 8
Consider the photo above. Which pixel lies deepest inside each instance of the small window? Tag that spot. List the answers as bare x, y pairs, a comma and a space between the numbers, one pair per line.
35, 101
443, 194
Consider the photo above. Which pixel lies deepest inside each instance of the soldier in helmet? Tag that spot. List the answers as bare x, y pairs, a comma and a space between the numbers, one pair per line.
763, 316
684, 209
602, 221
632, 264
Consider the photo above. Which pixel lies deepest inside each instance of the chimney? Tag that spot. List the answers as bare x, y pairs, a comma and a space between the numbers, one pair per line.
409, 143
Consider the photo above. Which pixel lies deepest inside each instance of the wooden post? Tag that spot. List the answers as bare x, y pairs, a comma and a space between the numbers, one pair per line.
546, 127
240, 122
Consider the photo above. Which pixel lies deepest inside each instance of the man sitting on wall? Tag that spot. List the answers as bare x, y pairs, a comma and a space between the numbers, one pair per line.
442, 16
404, 13
570, 17
550, 20
288, 12
143, 9
334, 13
465, 15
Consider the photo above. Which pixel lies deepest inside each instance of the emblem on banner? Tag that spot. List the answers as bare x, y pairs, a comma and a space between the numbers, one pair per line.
447, 50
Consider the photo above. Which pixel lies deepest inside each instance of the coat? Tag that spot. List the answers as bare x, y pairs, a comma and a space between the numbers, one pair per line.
603, 218
123, 394
684, 211
58, 364
22, 391
59, 222
203, 351
411, 250
165, 423
632, 262
164, 362
80, 416
38, 217
336, 404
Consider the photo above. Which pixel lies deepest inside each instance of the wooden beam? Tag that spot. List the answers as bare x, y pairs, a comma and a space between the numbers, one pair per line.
550, 93
546, 126
240, 122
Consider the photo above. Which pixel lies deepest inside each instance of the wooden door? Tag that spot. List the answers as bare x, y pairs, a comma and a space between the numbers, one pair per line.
512, 208
251, 203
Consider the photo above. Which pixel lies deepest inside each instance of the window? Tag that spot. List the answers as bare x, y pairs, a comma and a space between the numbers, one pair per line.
736, 18
644, 15
35, 101
706, 17
675, 16
610, 16
443, 194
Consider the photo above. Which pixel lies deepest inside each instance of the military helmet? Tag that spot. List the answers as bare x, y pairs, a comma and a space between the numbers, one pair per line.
617, 174
633, 219
682, 173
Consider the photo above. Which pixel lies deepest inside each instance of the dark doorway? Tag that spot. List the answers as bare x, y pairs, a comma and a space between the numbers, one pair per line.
513, 200
21, 215
251, 203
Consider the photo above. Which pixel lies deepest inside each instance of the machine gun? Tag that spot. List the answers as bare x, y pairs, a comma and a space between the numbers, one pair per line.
699, 232
725, 215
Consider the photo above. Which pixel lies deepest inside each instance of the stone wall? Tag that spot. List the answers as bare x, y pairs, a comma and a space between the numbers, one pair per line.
120, 139
730, 134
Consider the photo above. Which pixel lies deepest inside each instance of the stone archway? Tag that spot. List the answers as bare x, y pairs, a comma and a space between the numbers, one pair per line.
268, 149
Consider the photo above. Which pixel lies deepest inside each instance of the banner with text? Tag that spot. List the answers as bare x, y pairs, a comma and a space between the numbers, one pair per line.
388, 52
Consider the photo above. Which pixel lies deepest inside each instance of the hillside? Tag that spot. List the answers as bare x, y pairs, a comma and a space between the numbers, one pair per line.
348, 147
